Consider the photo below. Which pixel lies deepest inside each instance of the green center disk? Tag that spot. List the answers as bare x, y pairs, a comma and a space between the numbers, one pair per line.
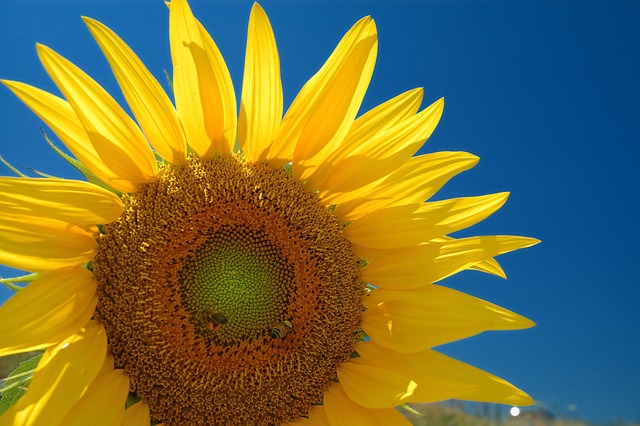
239, 276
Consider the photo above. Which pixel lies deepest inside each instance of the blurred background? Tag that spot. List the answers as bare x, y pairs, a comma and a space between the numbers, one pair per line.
545, 92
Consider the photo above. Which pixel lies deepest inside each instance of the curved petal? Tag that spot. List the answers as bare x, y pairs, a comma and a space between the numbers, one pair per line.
489, 266
261, 104
64, 122
431, 262
378, 120
42, 244
61, 199
103, 404
342, 411
321, 114
421, 318
412, 183
318, 414
382, 155
148, 102
337, 101
62, 377
205, 100
137, 415
107, 365
115, 137
370, 124
48, 310
381, 378
402, 226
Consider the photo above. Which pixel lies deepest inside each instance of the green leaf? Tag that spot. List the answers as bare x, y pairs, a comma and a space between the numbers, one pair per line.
15, 385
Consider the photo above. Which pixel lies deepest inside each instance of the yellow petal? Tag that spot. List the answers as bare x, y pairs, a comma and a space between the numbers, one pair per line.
42, 244
48, 310
148, 102
402, 226
107, 365
370, 124
337, 95
318, 414
115, 137
412, 183
342, 411
431, 262
316, 417
382, 378
103, 403
137, 415
205, 99
421, 318
62, 199
62, 377
62, 119
261, 104
489, 266
380, 119
381, 155
321, 114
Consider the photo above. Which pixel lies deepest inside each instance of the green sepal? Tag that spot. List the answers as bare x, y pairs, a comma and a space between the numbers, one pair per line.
10, 167
132, 398
412, 410
15, 385
10, 282
80, 167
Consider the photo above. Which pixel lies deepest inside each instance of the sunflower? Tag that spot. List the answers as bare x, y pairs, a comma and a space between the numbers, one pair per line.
253, 269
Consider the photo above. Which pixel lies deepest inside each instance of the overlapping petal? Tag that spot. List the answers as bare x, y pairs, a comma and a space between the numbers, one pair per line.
114, 135
146, 98
370, 124
412, 183
342, 411
43, 244
48, 310
380, 156
103, 404
64, 122
205, 100
421, 318
62, 377
431, 262
323, 111
382, 378
489, 266
403, 226
61, 199
137, 415
261, 103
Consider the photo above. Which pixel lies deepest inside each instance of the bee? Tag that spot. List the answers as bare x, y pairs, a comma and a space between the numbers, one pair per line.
280, 330
213, 319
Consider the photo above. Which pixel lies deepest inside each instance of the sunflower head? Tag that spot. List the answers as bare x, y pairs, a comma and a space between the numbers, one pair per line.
242, 268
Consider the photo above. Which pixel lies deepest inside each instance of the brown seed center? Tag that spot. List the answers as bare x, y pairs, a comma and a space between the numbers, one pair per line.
229, 294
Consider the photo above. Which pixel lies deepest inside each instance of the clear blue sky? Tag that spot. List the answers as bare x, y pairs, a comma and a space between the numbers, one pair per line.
545, 92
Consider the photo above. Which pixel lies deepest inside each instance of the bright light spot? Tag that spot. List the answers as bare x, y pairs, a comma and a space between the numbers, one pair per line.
514, 411
410, 389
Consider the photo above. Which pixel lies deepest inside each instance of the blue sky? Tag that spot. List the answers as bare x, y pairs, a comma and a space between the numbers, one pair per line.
545, 92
